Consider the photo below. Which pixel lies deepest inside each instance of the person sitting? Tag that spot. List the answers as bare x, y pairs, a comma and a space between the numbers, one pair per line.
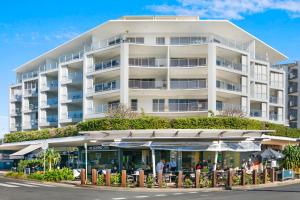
198, 166
173, 165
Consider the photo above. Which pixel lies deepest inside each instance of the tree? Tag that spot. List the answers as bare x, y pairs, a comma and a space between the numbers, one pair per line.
121, 111
52, 157
291, 158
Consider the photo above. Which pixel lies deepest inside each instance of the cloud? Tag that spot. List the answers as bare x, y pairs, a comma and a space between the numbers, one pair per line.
228, 9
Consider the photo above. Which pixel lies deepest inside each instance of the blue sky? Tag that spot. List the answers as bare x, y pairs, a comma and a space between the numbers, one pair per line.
29, 28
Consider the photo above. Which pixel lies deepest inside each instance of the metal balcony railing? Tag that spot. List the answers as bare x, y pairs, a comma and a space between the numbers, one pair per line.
148, 62
107, 42
51, 85
221, 106
75, 115
187, 62
74, 76
147, 84
277, 84
275, 117
188, 107
48, 67
231, 65
31, 92
277, 100
229, 86
262, 96
107, 64
108, 86
75, 96
72, 56
257, 113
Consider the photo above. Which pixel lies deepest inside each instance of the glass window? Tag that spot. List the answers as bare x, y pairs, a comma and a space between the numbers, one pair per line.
160, 40
134, 104
158, 105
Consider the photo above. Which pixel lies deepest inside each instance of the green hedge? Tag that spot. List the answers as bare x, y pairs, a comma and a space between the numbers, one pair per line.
154, 123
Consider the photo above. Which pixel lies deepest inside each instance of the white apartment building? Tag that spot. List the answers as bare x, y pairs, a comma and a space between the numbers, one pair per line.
164, 65
292, 88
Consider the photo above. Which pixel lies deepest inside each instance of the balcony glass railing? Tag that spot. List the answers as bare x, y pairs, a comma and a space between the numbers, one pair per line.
277, 84
229, 86
16, 111
29, 75
188, 84
106, 42
275, 117
72, 56
48, 67
52, 119
257, 113
187, 62
221, 106
77, 115
187, 106
98, 109
107, 64
231, 65
52, 101
292, 76
278, 67
16, 97
276, 100
31, 92
51, 85
262, 96
75, 96
74, 76
259, 77
108, 86
147, 84
293, 89
31, 107
147, 62
292, 103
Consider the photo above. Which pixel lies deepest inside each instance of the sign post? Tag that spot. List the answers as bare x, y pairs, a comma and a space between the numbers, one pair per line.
44, 148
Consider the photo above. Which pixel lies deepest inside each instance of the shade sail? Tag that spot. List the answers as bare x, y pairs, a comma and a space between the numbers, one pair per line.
20, 154
241, 146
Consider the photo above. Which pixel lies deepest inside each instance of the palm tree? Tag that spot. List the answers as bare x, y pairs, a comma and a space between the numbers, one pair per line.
291, 158
52, 157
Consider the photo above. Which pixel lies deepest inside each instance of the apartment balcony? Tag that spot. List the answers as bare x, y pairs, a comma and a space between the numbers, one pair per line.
188, 84
257, 113
276, 84
147, 84
259, 96
221, 62
147, 62
50, 86
73, 97
73, 77
49, 67
278, 67
188, 106
31, 108
98, 111
293, 103
110, 42
276, 100
105, 65
30, 125
31, 92
292, 117
30, 75
71, 116
292, 90
231, 87
292, 76
259, 77
16, 112
15, 127
275, 117
51, 120
72, 57
221, 106
16, 97
187, 62
50, 103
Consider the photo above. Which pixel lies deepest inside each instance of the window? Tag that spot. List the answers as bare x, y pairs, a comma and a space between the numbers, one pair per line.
138, 40
134, 104
160, 40
158, 105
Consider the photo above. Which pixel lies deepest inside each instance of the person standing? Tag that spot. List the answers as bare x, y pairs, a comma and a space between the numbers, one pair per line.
160, 166
173, 165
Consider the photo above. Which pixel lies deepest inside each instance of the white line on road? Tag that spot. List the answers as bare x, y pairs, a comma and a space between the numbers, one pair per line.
140, 197
160, 195
119, 198
22, 184
178, 193
7, 185
40, 184
193, 192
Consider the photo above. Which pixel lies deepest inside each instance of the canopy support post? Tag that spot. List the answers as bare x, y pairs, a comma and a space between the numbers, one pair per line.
216, 161
153, 163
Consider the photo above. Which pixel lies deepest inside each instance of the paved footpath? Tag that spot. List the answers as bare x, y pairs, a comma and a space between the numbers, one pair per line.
18, 189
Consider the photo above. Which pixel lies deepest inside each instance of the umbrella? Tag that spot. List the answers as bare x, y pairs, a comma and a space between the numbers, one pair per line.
271, 154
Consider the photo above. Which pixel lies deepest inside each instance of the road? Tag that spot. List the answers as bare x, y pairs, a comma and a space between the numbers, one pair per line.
17, 189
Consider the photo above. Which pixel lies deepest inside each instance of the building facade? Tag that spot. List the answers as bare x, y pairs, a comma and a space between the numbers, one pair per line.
162, 66
292, 77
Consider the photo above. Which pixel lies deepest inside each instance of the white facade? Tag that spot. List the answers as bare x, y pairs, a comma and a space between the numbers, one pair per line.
163, 66
292, 89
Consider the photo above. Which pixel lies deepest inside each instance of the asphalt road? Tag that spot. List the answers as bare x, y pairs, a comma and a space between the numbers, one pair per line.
23, 190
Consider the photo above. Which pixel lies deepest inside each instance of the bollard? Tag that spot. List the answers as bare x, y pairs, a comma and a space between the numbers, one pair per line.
197, 184
180, 177
107, 177
229, 178
94, 176
141, 178
214, 179
83, 177
265, 176
272, 172
124, 178
243, 178
159, 177
254, 177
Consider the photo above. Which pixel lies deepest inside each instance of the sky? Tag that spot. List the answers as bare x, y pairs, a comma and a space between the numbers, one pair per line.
32, 27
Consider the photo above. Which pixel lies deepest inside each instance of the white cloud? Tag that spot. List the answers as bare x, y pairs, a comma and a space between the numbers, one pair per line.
228, 9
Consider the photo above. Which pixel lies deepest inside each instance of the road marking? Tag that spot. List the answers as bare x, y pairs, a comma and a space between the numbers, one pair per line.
203, 195
40, 184
160, 195
140, 197
193, 192
119, 198
178, 193
7, 185
22, 184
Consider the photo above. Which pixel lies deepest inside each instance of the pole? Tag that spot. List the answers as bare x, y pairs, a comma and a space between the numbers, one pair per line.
85, 147
44, 161
216, 160
153, 163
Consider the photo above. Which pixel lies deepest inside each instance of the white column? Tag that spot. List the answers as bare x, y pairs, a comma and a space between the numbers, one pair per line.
153, 163
215, 161
84, 86
86, 165
59, 94
124, 76
212, 77
168, 65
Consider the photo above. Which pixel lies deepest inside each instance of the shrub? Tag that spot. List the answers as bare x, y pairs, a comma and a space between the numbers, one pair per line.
149, 181
29, 164
100, 180
15, 175
115, 179
36, 176
64, 174
188, 183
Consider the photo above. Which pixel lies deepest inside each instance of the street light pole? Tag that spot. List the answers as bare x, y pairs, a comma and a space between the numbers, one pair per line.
85, 147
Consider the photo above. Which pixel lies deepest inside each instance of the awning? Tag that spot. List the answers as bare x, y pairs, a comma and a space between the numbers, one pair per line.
241, 146
271, 154
20, 154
